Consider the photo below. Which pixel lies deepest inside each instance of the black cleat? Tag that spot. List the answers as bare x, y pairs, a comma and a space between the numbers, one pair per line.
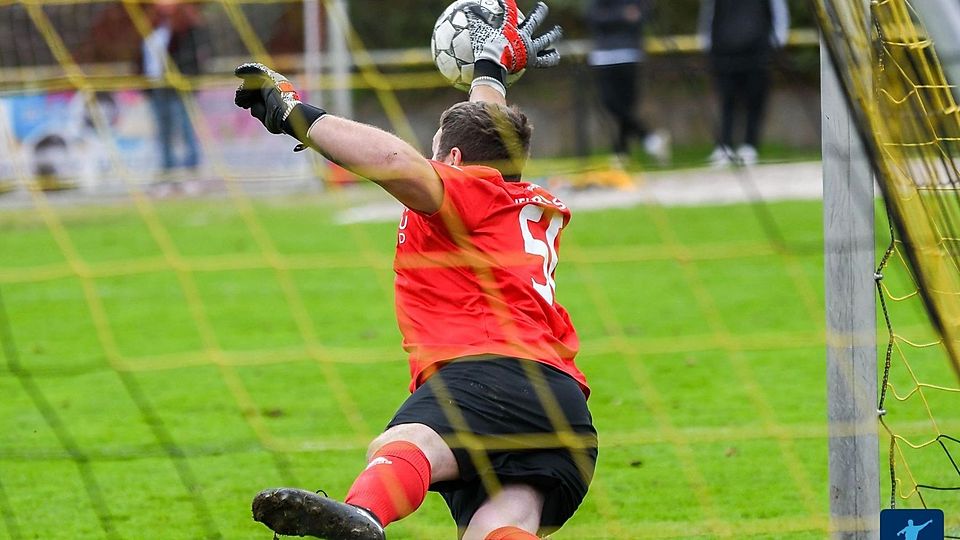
297, 512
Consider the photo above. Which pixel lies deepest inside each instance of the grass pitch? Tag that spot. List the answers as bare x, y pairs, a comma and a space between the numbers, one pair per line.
167, 363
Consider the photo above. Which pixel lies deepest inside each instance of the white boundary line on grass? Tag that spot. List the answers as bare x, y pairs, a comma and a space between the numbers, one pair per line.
689, 187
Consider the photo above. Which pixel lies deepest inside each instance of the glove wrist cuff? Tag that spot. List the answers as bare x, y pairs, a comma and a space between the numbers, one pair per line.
297, 124
490, 69
491, 82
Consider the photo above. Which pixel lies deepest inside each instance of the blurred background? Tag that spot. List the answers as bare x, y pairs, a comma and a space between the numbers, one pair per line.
374, 65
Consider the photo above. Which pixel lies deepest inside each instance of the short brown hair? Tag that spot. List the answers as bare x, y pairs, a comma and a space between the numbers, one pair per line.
487, 134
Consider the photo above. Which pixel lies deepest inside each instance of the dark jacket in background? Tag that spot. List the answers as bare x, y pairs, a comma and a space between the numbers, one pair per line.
742, 34
187, 50
609, 28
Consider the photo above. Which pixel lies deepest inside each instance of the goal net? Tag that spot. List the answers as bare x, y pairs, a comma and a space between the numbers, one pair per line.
165, 356
907, 115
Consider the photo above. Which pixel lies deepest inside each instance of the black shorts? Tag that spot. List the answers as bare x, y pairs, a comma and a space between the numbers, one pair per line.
489, 411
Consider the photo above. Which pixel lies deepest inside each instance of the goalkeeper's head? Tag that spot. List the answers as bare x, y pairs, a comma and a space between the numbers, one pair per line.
480, 133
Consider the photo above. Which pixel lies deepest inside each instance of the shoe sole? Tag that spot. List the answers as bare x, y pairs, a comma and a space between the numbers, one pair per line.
297, 512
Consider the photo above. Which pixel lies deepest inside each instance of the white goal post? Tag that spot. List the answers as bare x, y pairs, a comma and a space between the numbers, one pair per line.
849, 263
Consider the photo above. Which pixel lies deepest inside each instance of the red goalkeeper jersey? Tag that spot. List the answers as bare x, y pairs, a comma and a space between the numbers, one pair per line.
477, 277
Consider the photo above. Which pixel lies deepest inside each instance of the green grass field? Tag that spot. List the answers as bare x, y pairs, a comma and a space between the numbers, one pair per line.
168, 361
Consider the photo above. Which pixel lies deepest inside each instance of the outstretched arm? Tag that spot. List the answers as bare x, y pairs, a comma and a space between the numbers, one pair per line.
385, 158
373, 153
362, 149
381, 157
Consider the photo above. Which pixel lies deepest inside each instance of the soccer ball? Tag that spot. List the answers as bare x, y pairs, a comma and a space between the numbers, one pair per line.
452, 50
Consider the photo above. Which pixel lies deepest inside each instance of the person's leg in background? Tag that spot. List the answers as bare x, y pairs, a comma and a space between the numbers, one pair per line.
192, 157
756, 91
656, 142
160, 99
620, 89
616, 89
617, 93
727, 90
185, 128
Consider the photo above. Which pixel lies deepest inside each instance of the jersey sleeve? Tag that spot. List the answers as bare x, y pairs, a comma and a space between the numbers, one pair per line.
466, 199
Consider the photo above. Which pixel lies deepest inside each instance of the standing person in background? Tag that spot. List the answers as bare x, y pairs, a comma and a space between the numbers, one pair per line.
741, 37
616, 60
178, 36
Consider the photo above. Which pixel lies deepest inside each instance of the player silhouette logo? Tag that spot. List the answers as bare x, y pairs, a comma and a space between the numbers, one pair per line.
911, 531
911, 524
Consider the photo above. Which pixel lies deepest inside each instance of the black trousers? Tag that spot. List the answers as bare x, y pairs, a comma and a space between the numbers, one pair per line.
619, 92
745, 90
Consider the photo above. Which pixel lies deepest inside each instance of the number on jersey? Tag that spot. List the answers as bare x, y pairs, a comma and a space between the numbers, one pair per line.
546, 249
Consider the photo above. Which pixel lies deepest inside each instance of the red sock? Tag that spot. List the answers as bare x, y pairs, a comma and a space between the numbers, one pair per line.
394, 483
510, 533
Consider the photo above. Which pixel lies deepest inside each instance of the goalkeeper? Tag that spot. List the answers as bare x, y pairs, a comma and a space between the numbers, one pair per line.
497, 422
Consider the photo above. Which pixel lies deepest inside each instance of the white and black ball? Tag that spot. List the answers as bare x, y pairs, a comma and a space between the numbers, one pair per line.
451, 46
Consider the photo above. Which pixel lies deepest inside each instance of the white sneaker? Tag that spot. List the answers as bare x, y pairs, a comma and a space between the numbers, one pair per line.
747, 155
657, 145
722, 156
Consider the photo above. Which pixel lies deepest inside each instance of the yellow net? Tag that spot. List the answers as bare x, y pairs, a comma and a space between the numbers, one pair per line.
908, 117
663, 464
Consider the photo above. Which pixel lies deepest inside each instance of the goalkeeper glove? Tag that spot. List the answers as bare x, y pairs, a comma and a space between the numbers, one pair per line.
272, 99
511, 48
